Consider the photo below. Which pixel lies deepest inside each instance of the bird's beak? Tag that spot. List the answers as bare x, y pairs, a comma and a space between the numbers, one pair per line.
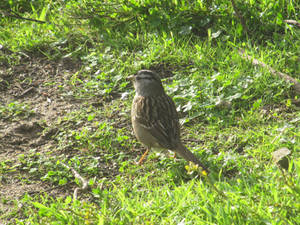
130, 78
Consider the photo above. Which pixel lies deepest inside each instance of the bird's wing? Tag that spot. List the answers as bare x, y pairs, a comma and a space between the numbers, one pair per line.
159, 116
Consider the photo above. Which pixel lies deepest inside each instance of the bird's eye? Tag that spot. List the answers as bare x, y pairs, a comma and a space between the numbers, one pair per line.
144, 77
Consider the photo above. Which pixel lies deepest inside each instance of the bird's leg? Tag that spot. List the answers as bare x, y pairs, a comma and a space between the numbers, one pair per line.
143, 157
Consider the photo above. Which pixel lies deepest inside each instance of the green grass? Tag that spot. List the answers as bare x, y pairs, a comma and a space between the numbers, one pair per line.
234, 114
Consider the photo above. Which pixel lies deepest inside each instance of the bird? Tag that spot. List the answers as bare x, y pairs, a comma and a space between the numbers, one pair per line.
154, 117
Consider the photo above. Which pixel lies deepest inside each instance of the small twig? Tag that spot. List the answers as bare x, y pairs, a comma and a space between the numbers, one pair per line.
193, 140
79, 177
16, 15
26, 92
294, 22
240, 17
13, 14
296, 84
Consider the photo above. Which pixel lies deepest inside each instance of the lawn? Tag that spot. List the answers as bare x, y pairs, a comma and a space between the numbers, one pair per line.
68, 154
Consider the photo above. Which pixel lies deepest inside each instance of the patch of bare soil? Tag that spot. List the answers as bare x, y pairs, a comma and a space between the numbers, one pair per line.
35, 82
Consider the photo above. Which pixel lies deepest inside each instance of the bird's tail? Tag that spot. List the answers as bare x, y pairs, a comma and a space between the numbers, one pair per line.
189, 156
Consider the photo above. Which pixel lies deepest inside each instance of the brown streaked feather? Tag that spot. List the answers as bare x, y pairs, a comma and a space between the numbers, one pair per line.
166, 128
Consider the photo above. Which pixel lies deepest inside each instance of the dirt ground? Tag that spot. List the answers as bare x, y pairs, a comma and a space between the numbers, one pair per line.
34, 81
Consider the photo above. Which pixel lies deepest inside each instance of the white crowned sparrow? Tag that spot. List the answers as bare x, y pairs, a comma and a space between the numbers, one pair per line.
154, 117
